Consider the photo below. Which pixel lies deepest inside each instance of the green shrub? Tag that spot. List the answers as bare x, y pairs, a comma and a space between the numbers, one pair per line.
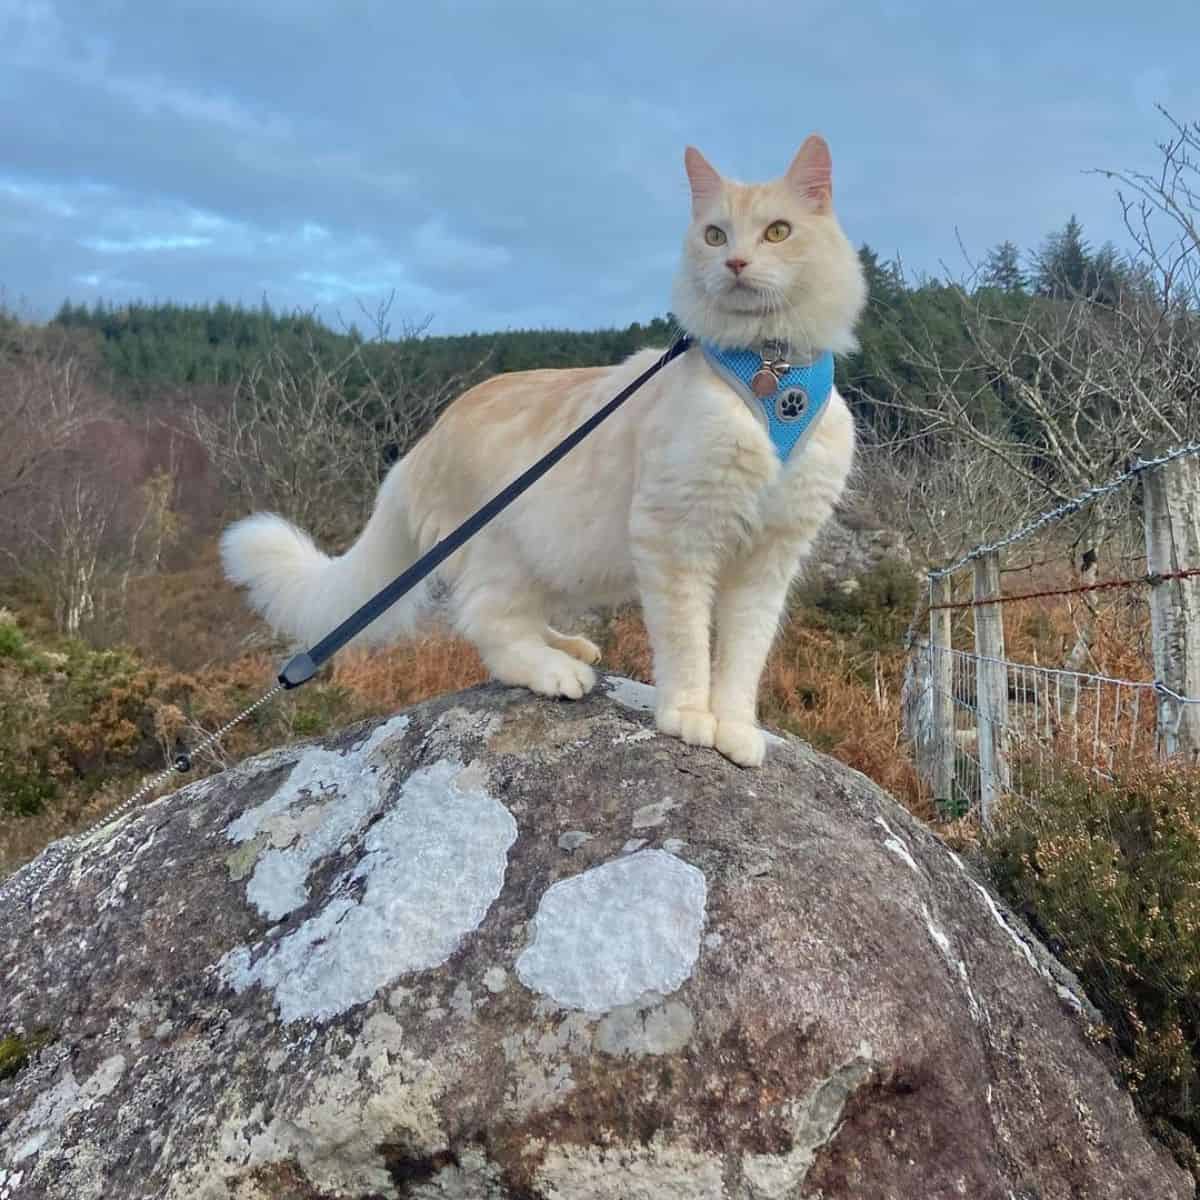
12, 642
322, 710
24, 790
875, 608
1110, 877
15, 1050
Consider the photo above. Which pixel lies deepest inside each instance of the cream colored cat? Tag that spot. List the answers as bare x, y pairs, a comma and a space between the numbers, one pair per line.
680, 499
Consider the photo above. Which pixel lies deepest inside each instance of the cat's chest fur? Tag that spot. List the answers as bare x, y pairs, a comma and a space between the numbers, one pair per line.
708, 464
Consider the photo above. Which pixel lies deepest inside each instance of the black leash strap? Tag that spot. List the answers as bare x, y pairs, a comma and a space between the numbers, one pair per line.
305, 665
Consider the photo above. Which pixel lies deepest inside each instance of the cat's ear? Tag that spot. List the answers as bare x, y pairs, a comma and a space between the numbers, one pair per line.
706, 183
811, 173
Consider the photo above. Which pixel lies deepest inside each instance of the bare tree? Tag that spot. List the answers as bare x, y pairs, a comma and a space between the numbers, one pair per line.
1064, 391
942, 492
1057, 394
310, 438
1162, 214
1060, 392
69, 523
46, 404
65, 552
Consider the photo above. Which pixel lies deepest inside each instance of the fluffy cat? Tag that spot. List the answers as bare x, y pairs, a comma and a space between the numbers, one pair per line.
680, 499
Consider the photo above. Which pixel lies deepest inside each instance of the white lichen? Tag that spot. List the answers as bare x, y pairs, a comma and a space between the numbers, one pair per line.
650, 815
1064, 993
894, 843
329, 796
641, 1172
38, 1130
636, 1030
630, 694
814, 1120
433, 865
956, 964
609, 935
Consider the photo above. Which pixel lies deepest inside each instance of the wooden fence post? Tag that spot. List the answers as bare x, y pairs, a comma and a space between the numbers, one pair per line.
991, 688
941, 680
1171, 496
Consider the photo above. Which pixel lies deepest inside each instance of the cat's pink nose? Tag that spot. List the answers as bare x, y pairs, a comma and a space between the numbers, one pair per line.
736, 265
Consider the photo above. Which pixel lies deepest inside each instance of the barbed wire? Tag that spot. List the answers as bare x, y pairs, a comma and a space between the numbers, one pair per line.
1068, 508
1151, 580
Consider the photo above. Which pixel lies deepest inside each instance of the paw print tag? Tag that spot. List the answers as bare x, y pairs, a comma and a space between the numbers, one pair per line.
791, 405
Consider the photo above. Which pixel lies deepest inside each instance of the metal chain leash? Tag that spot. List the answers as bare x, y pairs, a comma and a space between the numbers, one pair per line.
20, 887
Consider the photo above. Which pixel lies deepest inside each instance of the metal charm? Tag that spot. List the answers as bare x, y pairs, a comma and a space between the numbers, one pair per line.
765, 381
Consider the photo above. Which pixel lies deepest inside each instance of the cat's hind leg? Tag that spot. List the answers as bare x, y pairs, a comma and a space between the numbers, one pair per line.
506, 622
577, 647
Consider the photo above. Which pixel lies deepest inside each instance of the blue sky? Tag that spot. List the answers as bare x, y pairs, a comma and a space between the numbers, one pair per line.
517, 164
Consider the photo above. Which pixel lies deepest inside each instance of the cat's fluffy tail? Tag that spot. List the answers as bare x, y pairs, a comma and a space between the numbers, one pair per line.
302, 592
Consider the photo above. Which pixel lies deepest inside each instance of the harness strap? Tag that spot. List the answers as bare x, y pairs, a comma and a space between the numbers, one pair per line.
792, 400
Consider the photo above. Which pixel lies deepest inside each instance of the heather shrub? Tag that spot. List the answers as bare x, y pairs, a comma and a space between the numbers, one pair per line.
1109, 876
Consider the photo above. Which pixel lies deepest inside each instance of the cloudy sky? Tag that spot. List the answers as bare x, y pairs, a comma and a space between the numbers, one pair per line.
516, 164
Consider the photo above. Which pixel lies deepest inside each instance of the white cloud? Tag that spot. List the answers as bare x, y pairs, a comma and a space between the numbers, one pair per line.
514, 181
104, 285
146, 243
436, 247
47, 198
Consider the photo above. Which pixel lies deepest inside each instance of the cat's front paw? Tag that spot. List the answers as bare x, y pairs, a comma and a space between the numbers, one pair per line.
741, 743
691, 725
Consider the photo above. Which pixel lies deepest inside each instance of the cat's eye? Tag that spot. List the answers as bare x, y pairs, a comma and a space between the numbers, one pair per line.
777, 231
714, 236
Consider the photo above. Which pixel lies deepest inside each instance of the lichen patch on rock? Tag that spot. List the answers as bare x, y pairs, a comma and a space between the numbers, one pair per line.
328, 795
432, 865
607, 936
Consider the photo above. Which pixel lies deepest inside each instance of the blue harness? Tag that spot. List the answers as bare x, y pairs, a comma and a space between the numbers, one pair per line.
789, 409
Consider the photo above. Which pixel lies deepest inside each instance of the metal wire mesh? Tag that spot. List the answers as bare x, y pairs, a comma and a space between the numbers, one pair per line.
1054, 720
988, 724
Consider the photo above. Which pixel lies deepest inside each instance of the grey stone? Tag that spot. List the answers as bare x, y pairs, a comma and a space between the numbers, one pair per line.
573, 839
350, 969
850, 546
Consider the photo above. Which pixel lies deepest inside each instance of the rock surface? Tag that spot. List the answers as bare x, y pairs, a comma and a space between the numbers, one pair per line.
497, 947
852, 544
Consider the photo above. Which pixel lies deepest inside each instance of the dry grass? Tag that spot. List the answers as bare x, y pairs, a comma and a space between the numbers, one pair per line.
406, 674
820, 683
1112, 726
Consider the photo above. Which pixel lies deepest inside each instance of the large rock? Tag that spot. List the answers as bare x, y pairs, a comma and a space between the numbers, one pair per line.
502, 947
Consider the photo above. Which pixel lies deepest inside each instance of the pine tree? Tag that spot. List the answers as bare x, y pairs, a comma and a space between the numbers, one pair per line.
885, 283
1064, 263
1107, 275
1002, 270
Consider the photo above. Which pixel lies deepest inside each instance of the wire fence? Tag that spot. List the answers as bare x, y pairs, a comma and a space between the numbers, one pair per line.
1053, 719
989, 721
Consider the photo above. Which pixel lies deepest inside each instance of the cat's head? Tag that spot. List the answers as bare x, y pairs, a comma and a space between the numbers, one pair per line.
769, 260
